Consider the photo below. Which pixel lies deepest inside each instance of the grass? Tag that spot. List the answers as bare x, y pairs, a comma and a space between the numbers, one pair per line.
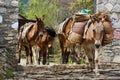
23, 54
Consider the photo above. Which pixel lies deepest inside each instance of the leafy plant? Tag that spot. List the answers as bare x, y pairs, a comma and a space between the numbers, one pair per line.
1, 76
21, 8
41, 7
9, 73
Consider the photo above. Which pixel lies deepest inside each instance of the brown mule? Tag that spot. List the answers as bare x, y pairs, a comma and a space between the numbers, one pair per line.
63, 31
71, 27
95, 39
44, 44
28, 36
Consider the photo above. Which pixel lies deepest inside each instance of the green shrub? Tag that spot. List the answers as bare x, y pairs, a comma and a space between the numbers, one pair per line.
9, 74
1, 76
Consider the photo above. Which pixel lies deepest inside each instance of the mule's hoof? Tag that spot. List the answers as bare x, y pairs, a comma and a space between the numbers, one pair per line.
97, 74
27, 63
18, 61
74, 63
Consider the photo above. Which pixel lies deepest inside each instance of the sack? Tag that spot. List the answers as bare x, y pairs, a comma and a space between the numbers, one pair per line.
78, 27
75, 38
107, 38
81, 17
109, 35
108, 27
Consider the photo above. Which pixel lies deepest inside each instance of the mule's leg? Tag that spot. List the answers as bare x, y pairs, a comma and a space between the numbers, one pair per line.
96, 61
87, 62
31, 61
39, 54
63, 56
67, 53
44, 56
27, 54
89, 59
73, 56
62, 41
19, 52
91, 64
34, 53
48, 52
62, 49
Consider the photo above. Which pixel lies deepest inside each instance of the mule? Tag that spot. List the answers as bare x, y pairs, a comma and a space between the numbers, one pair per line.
29, 34
97, 32
72, 24
63, 32
95, 40
44, 45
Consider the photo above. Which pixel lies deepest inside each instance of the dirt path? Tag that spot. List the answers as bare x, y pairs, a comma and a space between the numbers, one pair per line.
62, 72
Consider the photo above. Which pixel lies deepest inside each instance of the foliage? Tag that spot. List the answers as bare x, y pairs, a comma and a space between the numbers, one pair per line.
1, 76
9, 73
21, 8
41, 7
78, 5
54, 12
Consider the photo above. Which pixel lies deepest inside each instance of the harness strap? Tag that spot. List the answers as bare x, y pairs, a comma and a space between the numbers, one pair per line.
86, 28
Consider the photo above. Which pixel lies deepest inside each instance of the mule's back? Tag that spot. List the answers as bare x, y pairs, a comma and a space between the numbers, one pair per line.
77, 29
61, 26
81, 17
24, 30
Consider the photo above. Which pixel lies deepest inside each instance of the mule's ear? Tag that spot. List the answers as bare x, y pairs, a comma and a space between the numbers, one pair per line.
92, 18
36, 18
43, 17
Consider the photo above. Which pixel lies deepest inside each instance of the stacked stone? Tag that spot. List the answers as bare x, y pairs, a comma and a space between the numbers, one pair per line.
8, 37
111, 52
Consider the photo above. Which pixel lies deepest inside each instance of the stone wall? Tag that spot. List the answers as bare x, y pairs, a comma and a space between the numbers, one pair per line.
111, 52
8, 40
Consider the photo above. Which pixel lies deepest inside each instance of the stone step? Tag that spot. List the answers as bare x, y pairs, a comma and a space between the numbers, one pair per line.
80, 74
52, 67
65, 72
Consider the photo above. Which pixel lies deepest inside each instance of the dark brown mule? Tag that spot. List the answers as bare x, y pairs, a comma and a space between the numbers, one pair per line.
45, 43
95, 39
64, 29
28, 36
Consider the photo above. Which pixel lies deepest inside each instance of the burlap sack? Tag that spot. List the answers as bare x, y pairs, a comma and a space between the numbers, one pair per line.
75, 37
81, 17
108, 37
78, 27
108, 27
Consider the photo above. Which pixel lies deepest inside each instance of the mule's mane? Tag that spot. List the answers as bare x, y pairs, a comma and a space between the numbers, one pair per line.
23, 21
50, 31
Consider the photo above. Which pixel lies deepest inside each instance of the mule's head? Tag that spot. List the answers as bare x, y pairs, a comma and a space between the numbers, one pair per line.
40, 25
98, 31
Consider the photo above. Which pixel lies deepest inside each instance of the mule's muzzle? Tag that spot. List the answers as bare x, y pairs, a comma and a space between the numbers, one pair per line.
41, 35
97, 45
